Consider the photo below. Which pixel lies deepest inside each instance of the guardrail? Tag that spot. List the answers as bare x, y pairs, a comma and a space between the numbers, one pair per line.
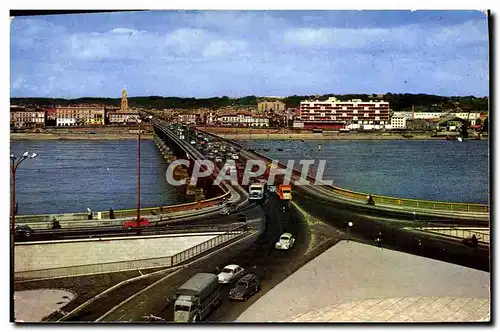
126, 213
413, 203
120, 266
386, 200
462, 233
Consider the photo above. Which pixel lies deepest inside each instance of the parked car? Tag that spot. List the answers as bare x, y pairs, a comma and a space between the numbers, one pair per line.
235, 156
285, 242
228, 209
218, 159
133, 223
230, 273
23, 231
248, 285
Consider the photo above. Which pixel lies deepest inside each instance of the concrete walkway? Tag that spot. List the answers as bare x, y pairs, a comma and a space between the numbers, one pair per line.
359, 282
33, 305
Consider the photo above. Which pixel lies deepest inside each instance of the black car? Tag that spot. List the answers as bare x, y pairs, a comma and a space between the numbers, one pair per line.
245, 287
228, 209
23, 230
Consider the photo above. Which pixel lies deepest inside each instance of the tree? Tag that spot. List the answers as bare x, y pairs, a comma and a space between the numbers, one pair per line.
485, 125
464, 129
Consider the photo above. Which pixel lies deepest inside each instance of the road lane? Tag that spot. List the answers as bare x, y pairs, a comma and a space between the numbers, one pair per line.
394, 236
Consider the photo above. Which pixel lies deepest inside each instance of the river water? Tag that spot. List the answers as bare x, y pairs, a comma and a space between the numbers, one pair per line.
430, 170
69, 176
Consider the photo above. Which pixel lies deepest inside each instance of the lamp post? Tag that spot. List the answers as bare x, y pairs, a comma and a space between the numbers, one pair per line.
139, 173
348, 225
139, 177
14, 164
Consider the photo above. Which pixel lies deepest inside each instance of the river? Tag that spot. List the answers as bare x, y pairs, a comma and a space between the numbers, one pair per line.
430, 170
69, 176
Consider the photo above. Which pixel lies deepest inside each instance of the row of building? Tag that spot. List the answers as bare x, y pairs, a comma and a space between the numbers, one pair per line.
68, 116
330, 114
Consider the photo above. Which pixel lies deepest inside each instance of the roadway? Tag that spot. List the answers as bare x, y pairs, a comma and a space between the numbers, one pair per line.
366, 228
272, 265
205, 223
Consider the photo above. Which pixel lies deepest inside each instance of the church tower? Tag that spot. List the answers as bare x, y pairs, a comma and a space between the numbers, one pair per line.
124, 101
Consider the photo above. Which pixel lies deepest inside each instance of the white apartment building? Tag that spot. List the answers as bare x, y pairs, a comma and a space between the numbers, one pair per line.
64, 122
352, 111
243, 120
398, 122
467, 115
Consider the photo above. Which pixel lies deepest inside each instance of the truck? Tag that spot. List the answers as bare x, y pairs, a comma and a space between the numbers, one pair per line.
256, 191
196, 298
285, 192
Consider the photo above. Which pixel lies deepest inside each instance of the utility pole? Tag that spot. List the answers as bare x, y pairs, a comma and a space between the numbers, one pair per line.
139, 178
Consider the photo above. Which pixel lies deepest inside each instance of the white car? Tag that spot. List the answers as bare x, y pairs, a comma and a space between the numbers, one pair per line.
193, 142
230, 273
235, 156
285, 242
218, 159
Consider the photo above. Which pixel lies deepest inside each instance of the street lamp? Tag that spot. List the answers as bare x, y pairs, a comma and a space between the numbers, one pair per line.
348, 225
14, 164
139, 176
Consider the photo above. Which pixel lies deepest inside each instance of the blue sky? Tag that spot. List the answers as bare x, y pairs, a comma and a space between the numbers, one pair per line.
239, 53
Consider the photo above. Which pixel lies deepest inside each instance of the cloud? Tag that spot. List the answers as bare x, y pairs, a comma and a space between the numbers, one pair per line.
248, 52
125, 31
223, 47
409, 36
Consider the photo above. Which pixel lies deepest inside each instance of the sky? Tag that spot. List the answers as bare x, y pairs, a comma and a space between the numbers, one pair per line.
239, 53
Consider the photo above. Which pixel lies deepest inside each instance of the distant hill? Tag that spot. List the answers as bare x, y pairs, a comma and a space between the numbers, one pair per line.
397, 101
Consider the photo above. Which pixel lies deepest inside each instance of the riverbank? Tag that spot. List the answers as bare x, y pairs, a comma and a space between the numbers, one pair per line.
76, 136
285, 134
330, 136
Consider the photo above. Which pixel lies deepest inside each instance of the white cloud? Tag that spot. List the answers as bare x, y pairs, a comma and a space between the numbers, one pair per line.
223, 47
125, 31
406, 36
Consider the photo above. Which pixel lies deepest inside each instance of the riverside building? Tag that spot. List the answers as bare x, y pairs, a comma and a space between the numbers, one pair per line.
335, 114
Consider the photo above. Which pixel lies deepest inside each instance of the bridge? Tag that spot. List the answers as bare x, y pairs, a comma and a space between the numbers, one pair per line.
251, 246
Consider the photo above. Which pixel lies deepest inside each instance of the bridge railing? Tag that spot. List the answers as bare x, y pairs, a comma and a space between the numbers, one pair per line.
169, 208
120, 266
481, 234
385, 200
413, 203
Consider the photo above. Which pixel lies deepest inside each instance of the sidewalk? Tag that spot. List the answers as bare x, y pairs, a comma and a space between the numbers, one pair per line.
359, 282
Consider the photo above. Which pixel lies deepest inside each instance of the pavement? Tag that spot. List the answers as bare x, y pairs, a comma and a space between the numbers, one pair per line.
33, 305
354, 282
60, 254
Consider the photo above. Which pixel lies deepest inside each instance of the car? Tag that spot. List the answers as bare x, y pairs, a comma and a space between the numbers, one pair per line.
235, 156
133, 223
218, 159
230, 273
228, 209
248, 285
193, 142
285, 242
23, 231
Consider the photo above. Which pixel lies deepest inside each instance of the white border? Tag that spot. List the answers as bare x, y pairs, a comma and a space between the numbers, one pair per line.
187, 4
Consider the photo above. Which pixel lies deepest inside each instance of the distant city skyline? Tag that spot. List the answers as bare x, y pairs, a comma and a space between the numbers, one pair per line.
239, 53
